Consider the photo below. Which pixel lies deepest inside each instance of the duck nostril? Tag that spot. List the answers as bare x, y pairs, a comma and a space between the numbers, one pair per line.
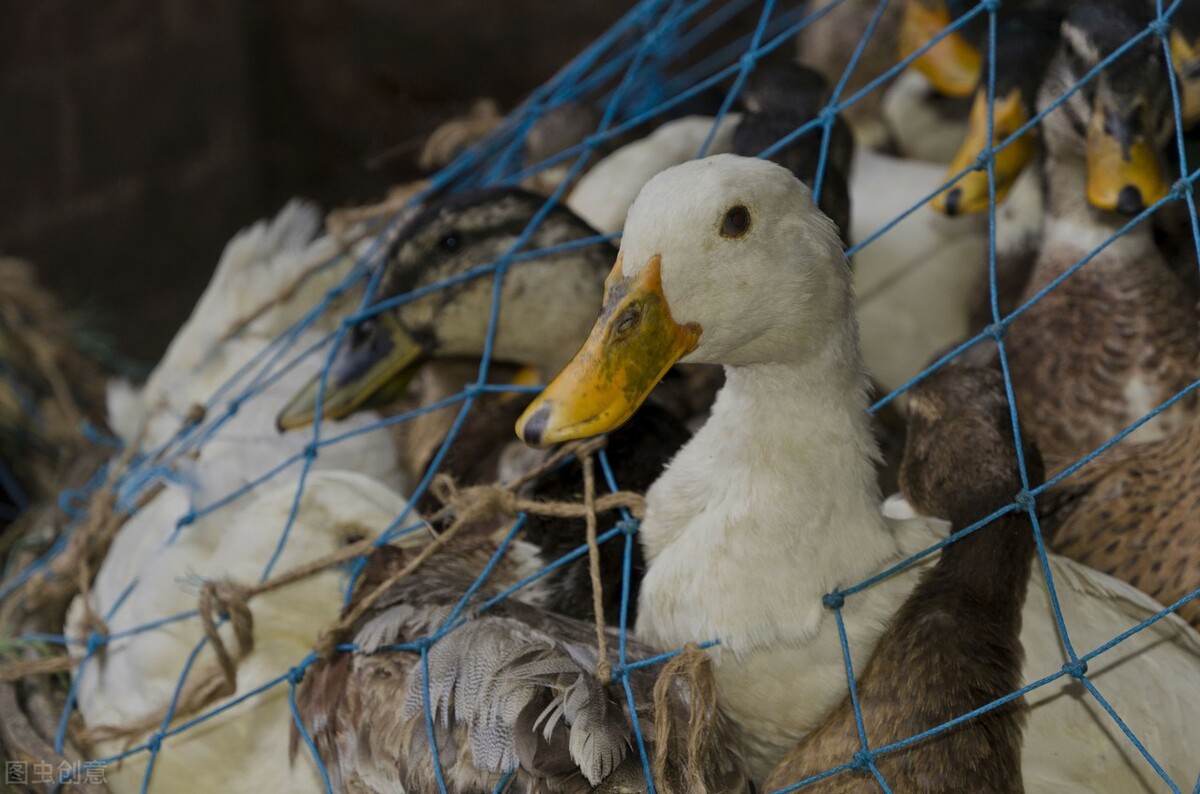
1129, 201
954, 201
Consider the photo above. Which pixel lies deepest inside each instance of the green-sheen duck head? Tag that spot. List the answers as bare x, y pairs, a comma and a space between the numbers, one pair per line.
724, 260
1118, 122
1025, 42
546, 304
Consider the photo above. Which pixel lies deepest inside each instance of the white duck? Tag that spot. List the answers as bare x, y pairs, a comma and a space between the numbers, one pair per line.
773, 503
269, 276
245, 748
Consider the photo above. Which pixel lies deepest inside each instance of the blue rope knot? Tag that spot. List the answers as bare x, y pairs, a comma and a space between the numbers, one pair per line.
311, 449
154, 743
186, 519
834, 600
95, 642
296, 674
628, 526
995, 331
1076, 669
234, 406
985, 157
861, 761
1182, 188
991, 6
828, 115
73, 502
748, 61
1160, 27
1025, 501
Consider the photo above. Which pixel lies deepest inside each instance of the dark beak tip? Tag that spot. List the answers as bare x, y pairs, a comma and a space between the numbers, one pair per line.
953, 201
535, 427
1129, 201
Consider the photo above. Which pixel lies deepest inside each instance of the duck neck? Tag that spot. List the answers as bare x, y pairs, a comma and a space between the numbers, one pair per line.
1072, 221
774, 501
992, 563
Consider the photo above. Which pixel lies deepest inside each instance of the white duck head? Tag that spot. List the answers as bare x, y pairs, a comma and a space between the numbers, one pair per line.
724, 260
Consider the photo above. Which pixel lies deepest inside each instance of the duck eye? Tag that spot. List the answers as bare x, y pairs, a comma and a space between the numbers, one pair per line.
629, 320
449, 241
736, 223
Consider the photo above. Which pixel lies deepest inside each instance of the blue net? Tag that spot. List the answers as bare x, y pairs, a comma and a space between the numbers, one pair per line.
645, 69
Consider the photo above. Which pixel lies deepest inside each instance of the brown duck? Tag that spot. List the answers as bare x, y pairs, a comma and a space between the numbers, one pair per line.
512, 692
954, 645
1119, 336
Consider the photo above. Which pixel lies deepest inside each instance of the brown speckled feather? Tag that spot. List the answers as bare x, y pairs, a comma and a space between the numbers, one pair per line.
510, 690
1093, 356
953, 645
1134, 513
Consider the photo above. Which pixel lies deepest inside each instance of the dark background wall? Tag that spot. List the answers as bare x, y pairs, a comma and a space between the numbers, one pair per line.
136, 136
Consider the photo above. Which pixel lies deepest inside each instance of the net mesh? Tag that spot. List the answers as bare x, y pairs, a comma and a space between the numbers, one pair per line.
640, 71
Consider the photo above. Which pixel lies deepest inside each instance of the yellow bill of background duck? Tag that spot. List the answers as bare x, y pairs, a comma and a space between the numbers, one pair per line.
1125, 169
374, 364
970, 193
952, 65
632, 345
1186, 58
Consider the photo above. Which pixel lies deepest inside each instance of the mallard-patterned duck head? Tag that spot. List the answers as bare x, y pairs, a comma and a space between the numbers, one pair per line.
1122, 118
546, 303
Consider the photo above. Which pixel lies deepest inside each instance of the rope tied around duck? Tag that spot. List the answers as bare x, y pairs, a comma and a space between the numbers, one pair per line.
692, 667
473, 503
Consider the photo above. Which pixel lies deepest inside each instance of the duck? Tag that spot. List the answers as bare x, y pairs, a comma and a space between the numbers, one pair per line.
516, 699
197, 422
203, 484
131, 680
773, 503
437, 341
963, 615
1119, 336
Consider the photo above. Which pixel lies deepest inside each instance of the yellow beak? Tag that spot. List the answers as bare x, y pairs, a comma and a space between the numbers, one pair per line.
1125, 171
373, 366
970, 193
1186, 58
953, 65
632, 345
